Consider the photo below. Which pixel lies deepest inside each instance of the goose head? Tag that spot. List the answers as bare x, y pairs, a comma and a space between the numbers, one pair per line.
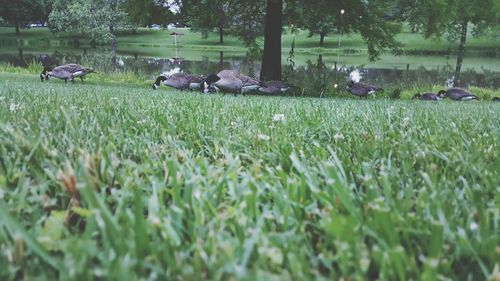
496, 99
417, 96
158, 81
207, 83
45, 74
442, 94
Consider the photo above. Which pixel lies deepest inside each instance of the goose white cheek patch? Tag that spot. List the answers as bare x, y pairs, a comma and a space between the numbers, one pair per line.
205, 85
156, 86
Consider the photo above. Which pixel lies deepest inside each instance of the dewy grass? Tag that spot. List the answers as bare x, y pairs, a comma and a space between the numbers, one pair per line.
120, 182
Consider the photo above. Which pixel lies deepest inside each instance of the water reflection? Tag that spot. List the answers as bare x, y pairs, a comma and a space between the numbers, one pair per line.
316, 77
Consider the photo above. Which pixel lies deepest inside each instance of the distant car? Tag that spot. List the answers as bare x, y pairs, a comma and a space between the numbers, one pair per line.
34, 25
177, 25
155, 26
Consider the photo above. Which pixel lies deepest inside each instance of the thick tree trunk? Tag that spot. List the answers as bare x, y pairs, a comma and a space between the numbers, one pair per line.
221, 34
461, 52
271, 60
322, 39
16, 23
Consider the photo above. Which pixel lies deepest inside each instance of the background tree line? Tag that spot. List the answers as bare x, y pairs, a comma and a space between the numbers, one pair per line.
377, 21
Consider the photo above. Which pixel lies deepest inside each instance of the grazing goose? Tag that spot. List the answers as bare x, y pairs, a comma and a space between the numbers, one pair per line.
361, 89
458, 94
180, 81
274, 87
230, 81
428, 96
66, 72
496, 99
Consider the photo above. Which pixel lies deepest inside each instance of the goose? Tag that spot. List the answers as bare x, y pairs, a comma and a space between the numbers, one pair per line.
65, 72
496, 99
457, 94
361, 89
274, 87
428, 96
180, 81
230, 81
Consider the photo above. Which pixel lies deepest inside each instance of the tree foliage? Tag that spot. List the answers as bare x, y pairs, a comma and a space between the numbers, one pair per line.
369, 18
455, 19
242, 18
147, 12
20, 12
96, 19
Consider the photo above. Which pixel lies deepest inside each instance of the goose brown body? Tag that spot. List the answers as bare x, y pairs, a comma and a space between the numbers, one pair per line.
362, 90
458, 94
274, 87
180, 81
231, 81
66, 72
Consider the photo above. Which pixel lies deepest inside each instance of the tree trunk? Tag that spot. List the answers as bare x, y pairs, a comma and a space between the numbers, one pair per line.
113, 44
271, 60
322, 39
221, 34
113, 5
16, 23
461, 52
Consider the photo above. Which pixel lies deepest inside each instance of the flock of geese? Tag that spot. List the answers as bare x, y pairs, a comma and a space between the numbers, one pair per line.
232, 81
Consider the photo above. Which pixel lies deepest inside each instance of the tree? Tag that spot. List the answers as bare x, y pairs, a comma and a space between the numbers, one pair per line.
20, 12
365, 17
207, 15
242, 18
147, 12
96, 19
369, 18
320, 17
271, 60
247, 21
456, 19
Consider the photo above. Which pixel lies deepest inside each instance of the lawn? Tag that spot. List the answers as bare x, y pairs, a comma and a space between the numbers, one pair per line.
155, 38
115, 181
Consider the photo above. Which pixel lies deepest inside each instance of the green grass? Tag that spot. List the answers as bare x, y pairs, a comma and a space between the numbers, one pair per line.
303, 43
119, 182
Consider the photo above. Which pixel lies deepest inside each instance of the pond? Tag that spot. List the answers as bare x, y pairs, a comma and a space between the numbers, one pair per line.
313, 72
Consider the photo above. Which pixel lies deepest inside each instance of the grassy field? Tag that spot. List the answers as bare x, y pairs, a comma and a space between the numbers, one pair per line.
120, 182
303, 43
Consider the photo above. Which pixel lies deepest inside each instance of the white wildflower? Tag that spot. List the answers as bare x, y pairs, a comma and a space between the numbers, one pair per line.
263, 137
154, 220
433, 262
338, 136
113, 99
406, 120
14, 107
197, 194
473, 226
279, 117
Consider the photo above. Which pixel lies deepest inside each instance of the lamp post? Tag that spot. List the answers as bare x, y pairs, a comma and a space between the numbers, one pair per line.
342, 11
